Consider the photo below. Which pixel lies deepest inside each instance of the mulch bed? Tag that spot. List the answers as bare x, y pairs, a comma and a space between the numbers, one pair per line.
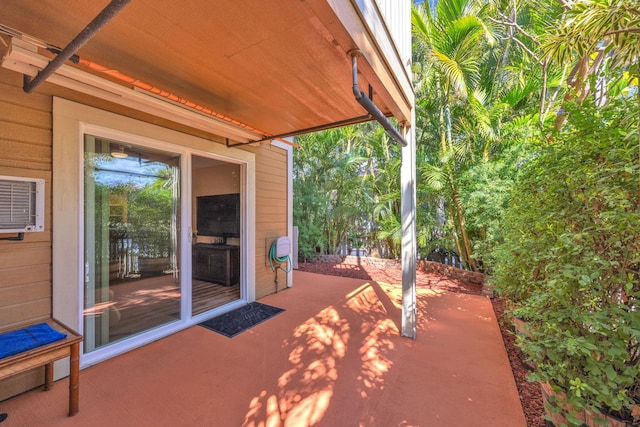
530, 394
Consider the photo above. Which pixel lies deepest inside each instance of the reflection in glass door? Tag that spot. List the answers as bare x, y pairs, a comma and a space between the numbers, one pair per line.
131, 217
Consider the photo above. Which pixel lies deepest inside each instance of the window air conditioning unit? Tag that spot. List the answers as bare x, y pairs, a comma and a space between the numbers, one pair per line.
21, 204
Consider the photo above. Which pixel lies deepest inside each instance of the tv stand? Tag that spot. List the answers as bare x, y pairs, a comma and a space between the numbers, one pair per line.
216, 263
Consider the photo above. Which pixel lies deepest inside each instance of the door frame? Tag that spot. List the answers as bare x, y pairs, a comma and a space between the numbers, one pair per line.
70, 122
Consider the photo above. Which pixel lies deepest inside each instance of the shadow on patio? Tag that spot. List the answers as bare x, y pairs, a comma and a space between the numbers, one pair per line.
333, 358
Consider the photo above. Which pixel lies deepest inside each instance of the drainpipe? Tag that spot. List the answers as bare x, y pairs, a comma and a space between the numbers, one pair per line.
85, 35
369, 105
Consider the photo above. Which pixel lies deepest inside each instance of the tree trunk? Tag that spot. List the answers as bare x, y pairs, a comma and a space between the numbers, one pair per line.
463, 256
578, 82
463, 228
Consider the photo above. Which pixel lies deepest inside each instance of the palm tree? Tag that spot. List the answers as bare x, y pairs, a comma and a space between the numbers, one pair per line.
521, 25
450, 42
326, 169
478, 75
383, 184
593, 36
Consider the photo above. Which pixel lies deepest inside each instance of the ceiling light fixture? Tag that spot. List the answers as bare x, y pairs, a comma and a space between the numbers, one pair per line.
119, 153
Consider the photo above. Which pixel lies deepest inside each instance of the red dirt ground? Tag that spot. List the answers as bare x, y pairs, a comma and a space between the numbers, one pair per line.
530, 395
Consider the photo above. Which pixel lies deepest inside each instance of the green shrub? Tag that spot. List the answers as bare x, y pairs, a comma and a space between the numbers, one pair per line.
571, 258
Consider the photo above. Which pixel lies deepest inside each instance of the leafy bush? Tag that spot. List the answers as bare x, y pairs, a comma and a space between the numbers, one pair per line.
571, 258
486, 187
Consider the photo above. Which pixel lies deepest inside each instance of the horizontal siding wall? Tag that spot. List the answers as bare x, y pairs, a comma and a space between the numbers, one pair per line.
25, 131
25, 266
271, 213
25, 144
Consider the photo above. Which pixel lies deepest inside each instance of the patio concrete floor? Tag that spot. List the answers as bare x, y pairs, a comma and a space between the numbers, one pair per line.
335, 358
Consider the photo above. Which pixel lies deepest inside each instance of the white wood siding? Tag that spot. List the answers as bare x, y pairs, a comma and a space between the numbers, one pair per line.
397, 17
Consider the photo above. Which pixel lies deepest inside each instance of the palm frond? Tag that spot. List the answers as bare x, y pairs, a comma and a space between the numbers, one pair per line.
448, 11
433, 176
452, 70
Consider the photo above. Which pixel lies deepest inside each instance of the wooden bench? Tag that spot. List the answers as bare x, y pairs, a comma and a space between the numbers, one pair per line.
45, 356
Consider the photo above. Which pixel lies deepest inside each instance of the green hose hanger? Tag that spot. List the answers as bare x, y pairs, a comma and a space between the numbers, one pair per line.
278, 255
276, 261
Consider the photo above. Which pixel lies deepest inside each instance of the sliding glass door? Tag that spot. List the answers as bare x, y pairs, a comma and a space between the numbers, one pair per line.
216, 248
131, 250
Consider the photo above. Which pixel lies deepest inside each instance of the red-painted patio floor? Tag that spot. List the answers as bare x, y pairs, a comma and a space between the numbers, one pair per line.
335, 358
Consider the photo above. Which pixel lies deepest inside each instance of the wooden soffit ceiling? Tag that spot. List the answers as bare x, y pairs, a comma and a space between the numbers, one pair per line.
278, 66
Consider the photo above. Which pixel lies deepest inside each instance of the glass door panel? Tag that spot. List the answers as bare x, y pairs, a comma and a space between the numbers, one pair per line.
131, 229
216, 234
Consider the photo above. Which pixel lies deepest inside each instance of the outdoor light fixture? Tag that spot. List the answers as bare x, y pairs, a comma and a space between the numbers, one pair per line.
119, 153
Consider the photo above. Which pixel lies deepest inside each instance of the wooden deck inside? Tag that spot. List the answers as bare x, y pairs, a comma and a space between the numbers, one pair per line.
139, 305
206, 295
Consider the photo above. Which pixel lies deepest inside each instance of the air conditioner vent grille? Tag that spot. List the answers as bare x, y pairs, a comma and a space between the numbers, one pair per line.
21, 204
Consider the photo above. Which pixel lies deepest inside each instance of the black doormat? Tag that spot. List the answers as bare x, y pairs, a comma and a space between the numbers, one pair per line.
239, 320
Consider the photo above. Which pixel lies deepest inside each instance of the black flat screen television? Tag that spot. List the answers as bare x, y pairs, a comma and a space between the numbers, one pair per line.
218, 215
